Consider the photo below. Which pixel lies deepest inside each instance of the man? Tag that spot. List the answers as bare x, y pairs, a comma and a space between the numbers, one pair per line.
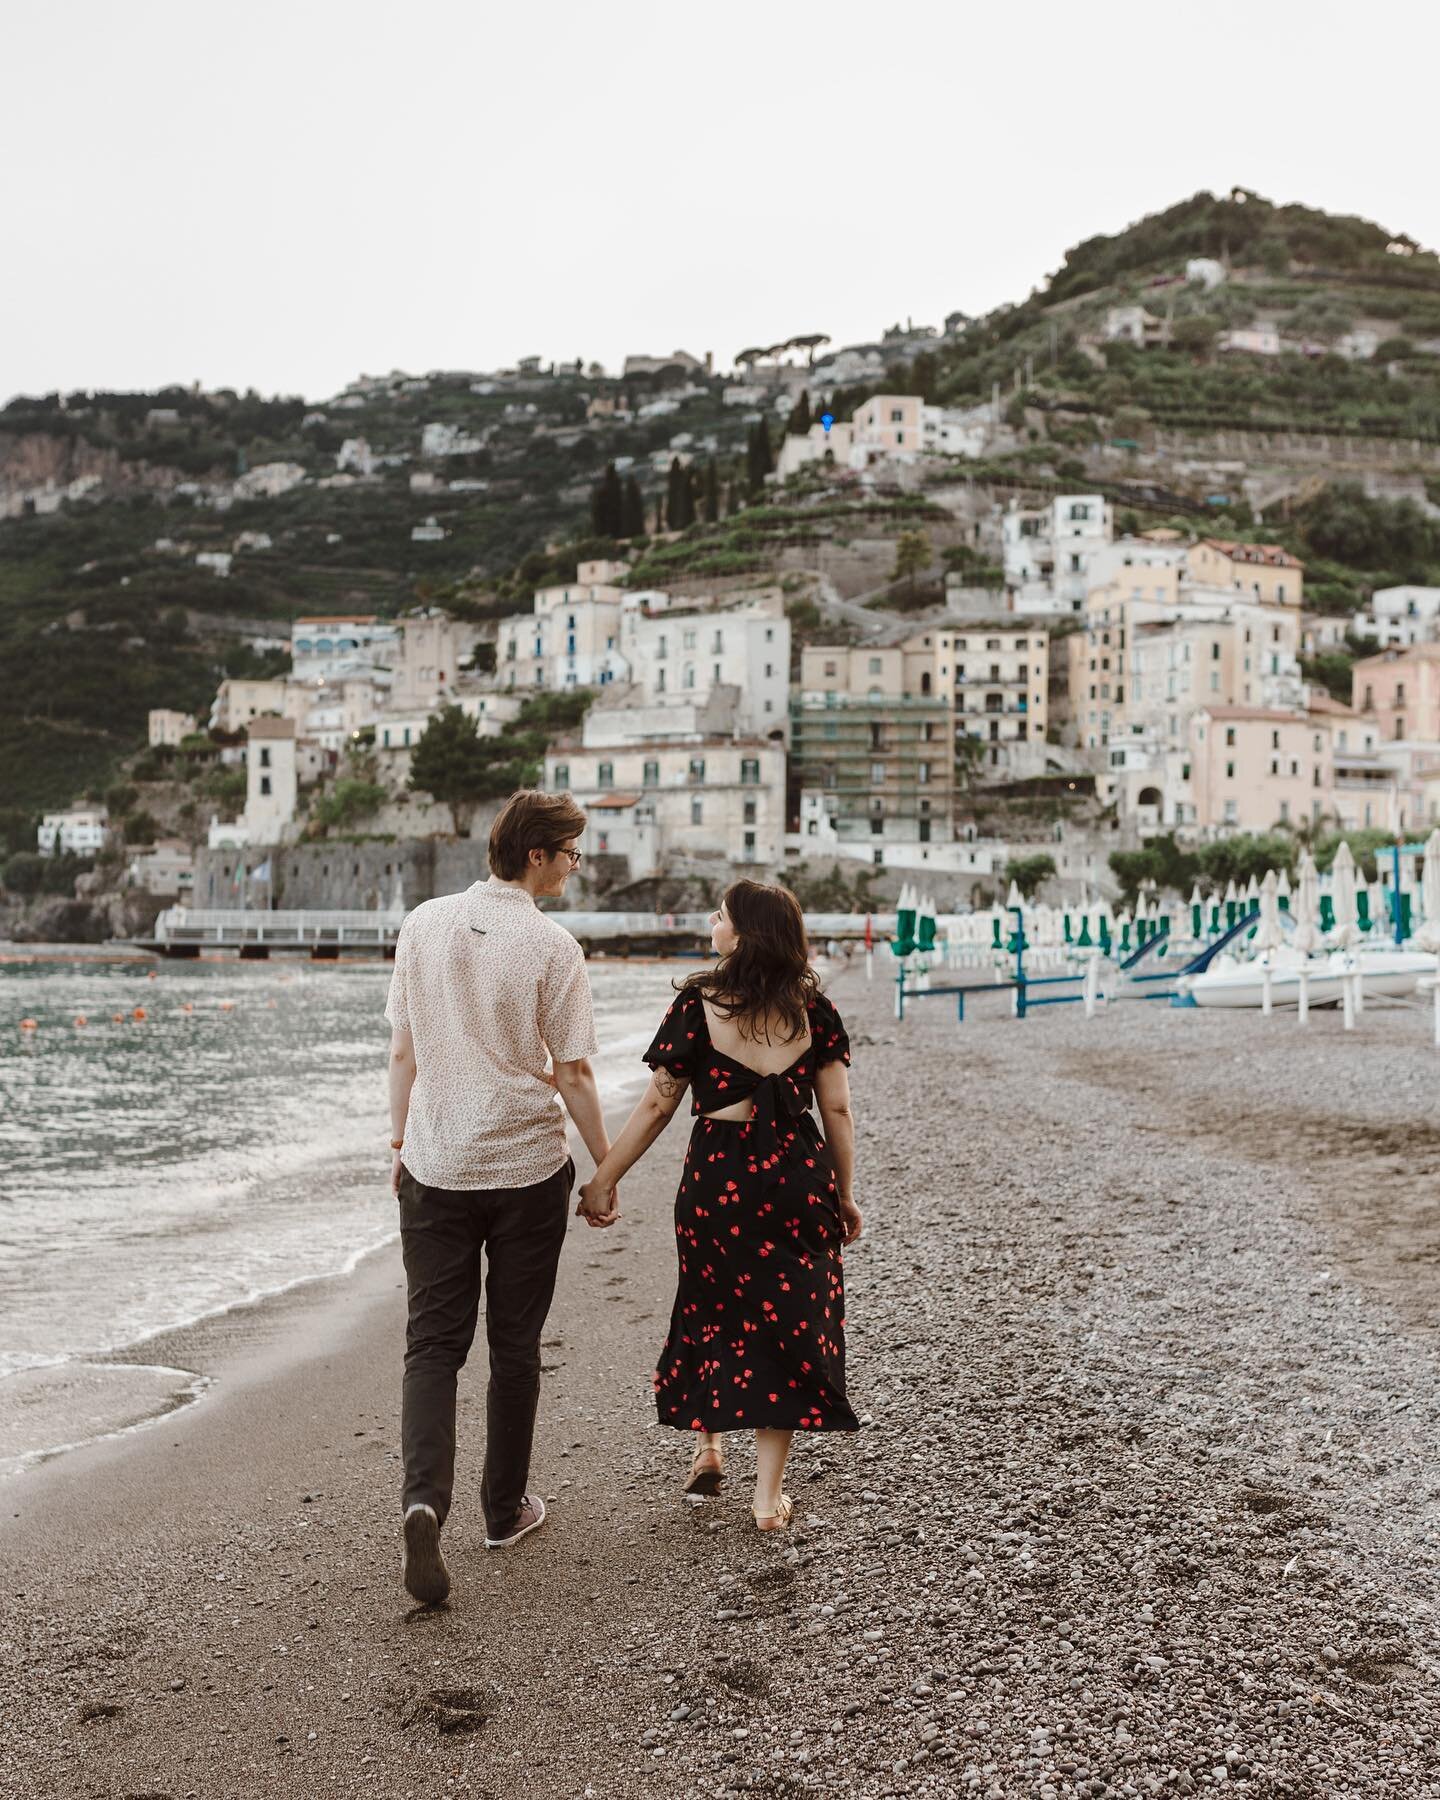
484, 985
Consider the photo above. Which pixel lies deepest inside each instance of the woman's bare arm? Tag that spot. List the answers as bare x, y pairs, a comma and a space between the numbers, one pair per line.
832, 1093
653, 1112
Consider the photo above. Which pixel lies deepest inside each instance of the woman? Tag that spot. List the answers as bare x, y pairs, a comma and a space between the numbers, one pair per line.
757, 1336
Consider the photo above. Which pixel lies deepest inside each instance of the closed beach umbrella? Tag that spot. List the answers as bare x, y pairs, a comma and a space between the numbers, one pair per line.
1269, 933
1282, 890
1342, 899
1197, 911
1232, 904
1252, 893
1014, 897
1306, 937
1428, 936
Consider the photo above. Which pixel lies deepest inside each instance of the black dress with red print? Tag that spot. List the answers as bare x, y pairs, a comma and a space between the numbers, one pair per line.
757, 1337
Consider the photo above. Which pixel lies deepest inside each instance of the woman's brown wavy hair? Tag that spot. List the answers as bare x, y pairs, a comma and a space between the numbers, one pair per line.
767, 975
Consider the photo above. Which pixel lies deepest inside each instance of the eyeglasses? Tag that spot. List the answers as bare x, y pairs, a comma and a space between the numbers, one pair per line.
574, 855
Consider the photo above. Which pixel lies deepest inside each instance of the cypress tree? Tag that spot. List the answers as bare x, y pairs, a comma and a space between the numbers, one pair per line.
712, 492
605, 506
632, 509
759, 458
800, 421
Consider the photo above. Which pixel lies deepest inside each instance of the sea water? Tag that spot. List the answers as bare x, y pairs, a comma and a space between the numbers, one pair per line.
213, 1132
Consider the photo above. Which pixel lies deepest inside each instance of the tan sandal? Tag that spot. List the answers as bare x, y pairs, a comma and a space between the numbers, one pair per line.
707, 1470
779, 1520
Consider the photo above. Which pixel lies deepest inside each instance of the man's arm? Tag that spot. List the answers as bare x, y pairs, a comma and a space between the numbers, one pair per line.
575, 1084
402, 1080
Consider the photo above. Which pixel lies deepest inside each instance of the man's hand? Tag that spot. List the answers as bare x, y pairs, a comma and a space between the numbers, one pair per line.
599, 1206
396, 1165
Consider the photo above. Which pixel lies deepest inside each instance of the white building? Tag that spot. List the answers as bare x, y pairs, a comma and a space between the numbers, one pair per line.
1251, 340
167, 868
430, 532
1400, 616
216, 561
1049, 553
335, 643
682, 656
77, 831
721, 798
448, 440
571, 638
268, 481
1206, 270
356, 457
167, 727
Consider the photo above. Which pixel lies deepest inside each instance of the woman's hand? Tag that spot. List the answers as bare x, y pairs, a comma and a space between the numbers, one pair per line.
599, 1204
850, 1220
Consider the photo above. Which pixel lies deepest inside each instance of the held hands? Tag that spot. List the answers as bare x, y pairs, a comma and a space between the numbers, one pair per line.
599, 1204
850, 1220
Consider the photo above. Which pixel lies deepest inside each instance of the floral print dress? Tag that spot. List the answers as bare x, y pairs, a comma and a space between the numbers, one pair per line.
757, 1336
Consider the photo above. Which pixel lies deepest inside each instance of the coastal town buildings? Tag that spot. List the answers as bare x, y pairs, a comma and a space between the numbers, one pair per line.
571, 636
1049, 553
1263, 572
165, 868
889, 428
871, 769
332, 644
167, 727
1257, 769
679, 653
73, 831
687, 795
1400, 616
1401, 690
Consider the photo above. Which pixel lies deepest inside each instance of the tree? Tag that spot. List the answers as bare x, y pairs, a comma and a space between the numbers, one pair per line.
456, 766
679, 496
141, 828
912, 556
632, 509
1029, 872
759, 457
798, 424
350, 801
712, 493
1197, 333
606, 505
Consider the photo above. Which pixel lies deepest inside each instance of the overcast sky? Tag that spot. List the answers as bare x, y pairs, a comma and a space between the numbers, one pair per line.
286, 193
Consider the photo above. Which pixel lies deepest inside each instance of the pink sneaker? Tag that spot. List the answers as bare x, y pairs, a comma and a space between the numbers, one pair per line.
531, 1518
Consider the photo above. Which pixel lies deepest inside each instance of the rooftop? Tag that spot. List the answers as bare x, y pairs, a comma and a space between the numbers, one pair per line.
1271, 714
269, 727
1271, 555
1405, 654
339, 619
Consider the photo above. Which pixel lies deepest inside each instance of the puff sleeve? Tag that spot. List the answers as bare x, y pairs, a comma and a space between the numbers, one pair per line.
674, 1044
827, 1032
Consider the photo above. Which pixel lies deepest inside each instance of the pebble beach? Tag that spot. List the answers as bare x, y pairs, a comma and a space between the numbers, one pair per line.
1143, 1329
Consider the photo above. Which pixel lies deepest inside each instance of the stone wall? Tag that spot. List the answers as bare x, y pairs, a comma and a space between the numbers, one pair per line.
332, 876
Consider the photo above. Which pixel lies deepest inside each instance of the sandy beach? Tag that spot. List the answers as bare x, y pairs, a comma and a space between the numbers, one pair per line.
1144, 1329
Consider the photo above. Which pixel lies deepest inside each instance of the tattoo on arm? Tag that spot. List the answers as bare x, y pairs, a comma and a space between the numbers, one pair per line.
668, 1086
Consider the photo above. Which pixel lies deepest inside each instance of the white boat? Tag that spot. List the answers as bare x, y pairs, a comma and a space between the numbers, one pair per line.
1240, 981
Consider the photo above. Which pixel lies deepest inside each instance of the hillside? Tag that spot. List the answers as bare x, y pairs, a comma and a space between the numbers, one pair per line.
107, 499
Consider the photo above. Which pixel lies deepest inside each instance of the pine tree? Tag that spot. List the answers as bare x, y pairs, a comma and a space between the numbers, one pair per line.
632, 509
456, 766
800, 421
674, 495
712, 492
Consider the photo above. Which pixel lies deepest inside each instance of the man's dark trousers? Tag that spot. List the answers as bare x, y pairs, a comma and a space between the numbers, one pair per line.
443, 1232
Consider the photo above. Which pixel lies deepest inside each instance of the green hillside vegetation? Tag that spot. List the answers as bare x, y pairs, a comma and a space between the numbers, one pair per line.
97, 626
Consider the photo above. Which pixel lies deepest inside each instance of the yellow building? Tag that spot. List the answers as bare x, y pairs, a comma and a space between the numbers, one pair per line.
1261, 572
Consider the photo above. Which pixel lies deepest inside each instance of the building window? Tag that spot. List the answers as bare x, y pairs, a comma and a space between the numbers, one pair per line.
697, 812
923, 774
876, 665
687, 640
1229, 771
830, 668
715, 674
605, 775
697, 770
662, 647
264, 784
877, 771
562, 775
659, 681
651, 777
689, 675
718, 647
750, 812
264, 756
750, 771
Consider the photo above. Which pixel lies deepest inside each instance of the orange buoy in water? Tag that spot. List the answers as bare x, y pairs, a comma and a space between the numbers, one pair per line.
152, 976
139, 1013
117, 1018
29, 1025
80, 1019
227, 1006
189, 1006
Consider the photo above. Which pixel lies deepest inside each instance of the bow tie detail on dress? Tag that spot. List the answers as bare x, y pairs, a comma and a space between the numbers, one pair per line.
779, 1097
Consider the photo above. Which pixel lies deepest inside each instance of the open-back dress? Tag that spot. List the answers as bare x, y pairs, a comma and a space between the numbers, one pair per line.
757, 1337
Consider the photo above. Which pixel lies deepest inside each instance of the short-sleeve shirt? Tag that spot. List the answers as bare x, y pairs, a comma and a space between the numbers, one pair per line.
486, 984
